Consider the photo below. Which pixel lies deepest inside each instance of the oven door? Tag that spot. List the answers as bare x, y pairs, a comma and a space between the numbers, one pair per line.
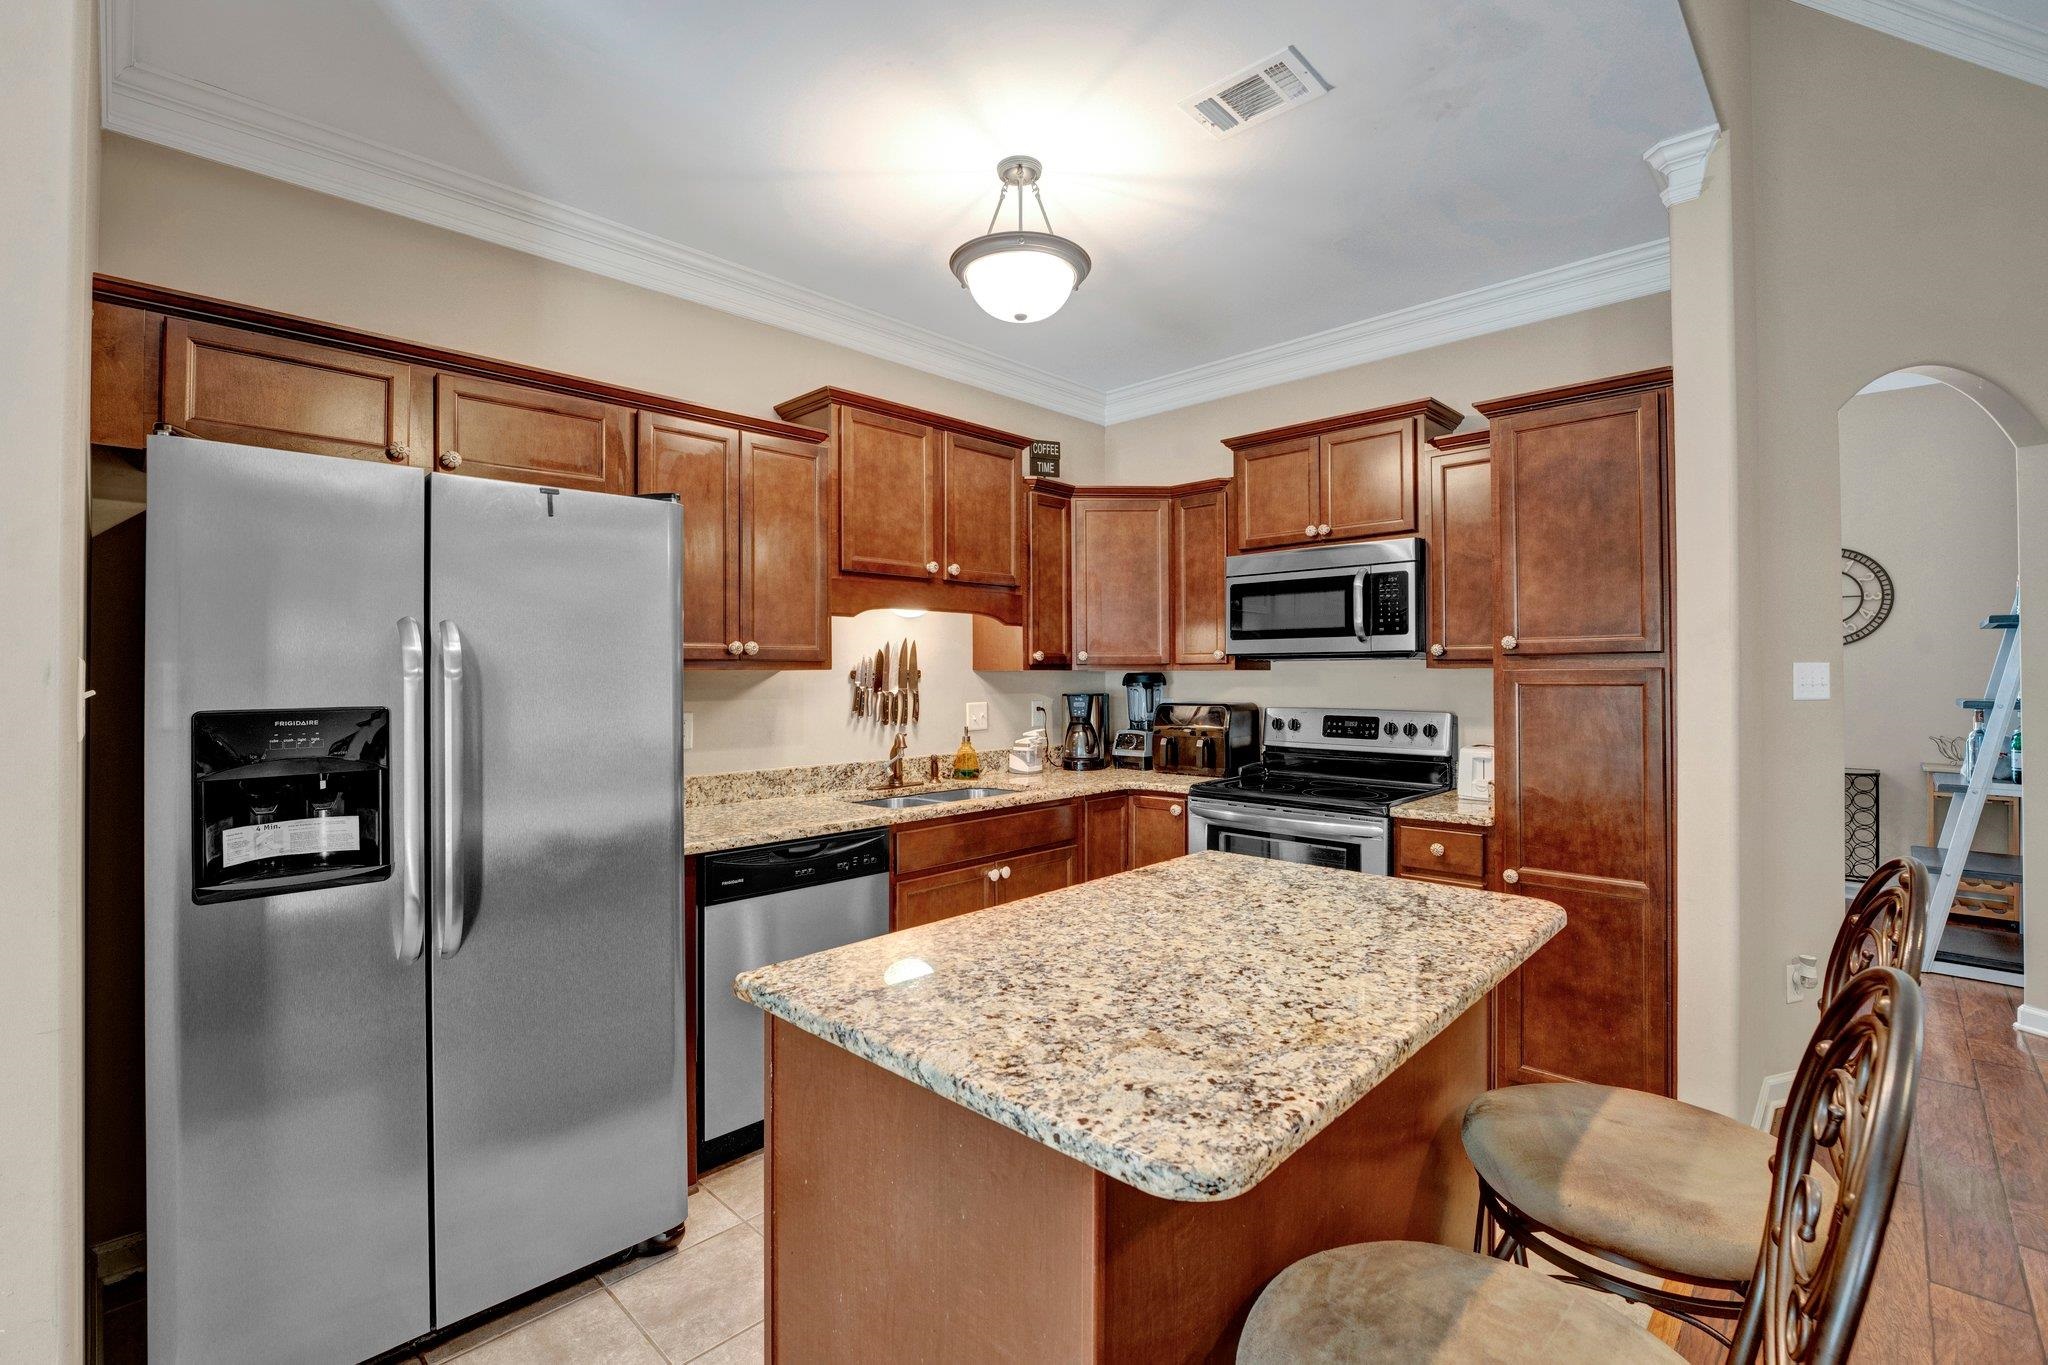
1312, 612
1318, 839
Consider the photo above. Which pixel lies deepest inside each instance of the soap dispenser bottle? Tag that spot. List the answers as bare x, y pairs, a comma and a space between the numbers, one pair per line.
966, 762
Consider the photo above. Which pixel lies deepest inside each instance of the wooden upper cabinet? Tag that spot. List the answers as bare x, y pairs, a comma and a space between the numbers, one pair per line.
1337, 478
1123, 581
982, 539
1579, 495
1583, 819
1369, 481
1159, 828
226, 384
490, 429
700, 463
1457, 493
886, 468
1049, 614
127, 374
1201, 541
1279, 493
783, 612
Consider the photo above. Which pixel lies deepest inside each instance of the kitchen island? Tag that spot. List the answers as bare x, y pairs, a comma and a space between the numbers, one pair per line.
1093, 1124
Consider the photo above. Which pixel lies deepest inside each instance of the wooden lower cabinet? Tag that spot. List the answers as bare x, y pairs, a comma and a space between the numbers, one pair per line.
1452, 854
1033, 874
942, 895
1159, 828
1107, 822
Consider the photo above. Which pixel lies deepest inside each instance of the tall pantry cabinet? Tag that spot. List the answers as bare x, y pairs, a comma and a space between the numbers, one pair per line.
1582, 725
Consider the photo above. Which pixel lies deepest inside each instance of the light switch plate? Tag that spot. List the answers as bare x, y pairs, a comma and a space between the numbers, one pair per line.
689, 732
977, 715
1809, 682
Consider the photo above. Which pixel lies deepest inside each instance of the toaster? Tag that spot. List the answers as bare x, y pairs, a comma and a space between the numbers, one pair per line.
1204, 739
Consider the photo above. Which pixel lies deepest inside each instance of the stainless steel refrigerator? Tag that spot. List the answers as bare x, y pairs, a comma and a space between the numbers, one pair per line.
413, 954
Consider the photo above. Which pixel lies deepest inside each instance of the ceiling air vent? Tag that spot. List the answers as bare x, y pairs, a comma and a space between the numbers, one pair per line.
1259, 92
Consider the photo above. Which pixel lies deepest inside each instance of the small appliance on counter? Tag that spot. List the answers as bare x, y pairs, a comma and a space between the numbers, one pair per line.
1027, 755
1475, 772
1082, 747
1132, 747
1204, 739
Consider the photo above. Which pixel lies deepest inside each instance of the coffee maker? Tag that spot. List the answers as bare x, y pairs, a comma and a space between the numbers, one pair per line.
1132, 747
1087, 714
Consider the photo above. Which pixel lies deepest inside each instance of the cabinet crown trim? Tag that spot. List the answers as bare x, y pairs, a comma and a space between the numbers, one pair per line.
1613, 385
1150, 490
797, 408
1433, 412
1476, 439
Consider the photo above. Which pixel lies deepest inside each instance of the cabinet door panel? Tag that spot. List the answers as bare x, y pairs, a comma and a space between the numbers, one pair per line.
885, 495
1579, 492
1369, 480
1034, 874
1581, 805
1201, 531
1048, 623
942, 895
700, 464
509, 431
225, 384
127, 374
1122, 579
1108, 835
1159, 828
782, 551
1279, 493
983, 499
1458, 487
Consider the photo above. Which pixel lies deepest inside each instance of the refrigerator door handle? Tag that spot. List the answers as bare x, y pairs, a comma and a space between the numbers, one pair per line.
450, 900
409, 930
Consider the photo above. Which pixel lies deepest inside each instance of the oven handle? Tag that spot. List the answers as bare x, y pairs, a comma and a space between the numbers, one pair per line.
1263, 821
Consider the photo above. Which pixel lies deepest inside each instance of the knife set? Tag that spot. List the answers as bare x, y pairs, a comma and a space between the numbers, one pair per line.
885, 692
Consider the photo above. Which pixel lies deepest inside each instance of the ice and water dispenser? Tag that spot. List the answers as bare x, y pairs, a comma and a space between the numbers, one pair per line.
289, 800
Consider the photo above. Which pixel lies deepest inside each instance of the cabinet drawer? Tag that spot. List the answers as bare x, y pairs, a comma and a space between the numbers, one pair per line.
1463, 858
923, 846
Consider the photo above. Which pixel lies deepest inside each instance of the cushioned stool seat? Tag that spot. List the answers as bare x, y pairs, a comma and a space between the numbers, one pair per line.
1661, 1183
1414, 1302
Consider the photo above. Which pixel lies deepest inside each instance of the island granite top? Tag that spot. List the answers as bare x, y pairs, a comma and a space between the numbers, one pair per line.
1183, 1028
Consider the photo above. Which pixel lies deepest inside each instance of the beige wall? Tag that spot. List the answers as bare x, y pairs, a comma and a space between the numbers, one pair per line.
1187, 444
1888, 204
191, 224
1950, 545
48, 107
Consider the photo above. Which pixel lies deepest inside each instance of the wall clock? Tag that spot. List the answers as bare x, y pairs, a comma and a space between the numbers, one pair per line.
1866, 596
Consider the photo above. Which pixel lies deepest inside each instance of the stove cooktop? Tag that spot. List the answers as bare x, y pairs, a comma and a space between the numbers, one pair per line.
1258, 785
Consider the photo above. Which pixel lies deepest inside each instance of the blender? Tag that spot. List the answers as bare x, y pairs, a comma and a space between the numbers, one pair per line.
1132, 747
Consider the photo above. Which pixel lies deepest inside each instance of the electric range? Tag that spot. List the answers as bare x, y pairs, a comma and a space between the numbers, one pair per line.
1325, 786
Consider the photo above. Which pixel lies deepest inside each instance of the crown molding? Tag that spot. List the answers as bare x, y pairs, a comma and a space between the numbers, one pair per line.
1955, 27
1630, 273
1681, 163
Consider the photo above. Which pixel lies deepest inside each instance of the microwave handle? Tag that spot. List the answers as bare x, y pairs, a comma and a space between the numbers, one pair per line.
1359, 626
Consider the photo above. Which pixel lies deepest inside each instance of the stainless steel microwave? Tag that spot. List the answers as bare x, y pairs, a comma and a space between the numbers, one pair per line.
1327, 602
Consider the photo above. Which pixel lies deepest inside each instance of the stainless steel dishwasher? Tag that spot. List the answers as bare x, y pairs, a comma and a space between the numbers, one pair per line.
757, 906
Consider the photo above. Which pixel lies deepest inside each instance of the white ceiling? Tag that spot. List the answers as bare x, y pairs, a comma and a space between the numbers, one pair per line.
815, 164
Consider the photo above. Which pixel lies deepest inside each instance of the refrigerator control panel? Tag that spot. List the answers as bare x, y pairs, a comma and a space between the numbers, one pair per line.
286, 801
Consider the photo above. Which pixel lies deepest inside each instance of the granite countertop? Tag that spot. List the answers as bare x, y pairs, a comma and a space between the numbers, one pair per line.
1446, 809
769, 819
1183, 1028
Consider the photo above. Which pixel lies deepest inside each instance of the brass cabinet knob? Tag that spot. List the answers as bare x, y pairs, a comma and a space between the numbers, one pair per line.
734, 647
1436, 651
1217, 655
953, 570
1436, 850
995, 874
753, 648
1323, 529
396, 453
1511, 876
1082, 656
1507, 642
1173, 810
449, 460
1038, 656
931, 566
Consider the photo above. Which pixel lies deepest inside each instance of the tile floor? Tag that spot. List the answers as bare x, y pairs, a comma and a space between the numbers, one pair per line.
701, 1302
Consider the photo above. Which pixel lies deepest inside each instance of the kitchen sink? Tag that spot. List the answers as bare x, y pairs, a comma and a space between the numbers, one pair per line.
895, 802
935, 798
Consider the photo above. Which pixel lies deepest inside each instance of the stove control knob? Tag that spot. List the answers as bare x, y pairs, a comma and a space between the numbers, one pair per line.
1409, 729
1293, 724
1429, 732
1279, 724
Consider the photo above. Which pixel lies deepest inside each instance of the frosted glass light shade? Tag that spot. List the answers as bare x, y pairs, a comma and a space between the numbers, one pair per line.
1020, 276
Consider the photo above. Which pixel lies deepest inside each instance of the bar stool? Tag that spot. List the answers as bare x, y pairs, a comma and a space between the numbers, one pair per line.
1812, 1264
1640, 1183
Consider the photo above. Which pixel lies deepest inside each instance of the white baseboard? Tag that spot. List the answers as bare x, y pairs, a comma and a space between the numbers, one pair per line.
2032, 1019
1770, 1099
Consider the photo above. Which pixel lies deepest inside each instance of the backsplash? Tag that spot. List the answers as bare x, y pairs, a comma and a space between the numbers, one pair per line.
721, 789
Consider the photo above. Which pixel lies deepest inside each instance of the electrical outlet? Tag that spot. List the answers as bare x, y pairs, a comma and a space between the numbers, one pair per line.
1802, 977
689, 732
1809, 682
977, 715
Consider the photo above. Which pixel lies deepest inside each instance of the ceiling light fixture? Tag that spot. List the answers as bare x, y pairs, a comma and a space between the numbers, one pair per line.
1019, 276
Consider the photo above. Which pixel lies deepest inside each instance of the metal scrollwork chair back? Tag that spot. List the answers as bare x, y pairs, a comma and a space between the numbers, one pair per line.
1885, 926
1852, 1099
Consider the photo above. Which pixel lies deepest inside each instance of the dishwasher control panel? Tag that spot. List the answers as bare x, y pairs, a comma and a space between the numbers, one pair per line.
749, 872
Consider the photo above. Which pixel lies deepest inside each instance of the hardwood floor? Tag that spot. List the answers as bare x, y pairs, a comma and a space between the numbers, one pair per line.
1964, 1273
